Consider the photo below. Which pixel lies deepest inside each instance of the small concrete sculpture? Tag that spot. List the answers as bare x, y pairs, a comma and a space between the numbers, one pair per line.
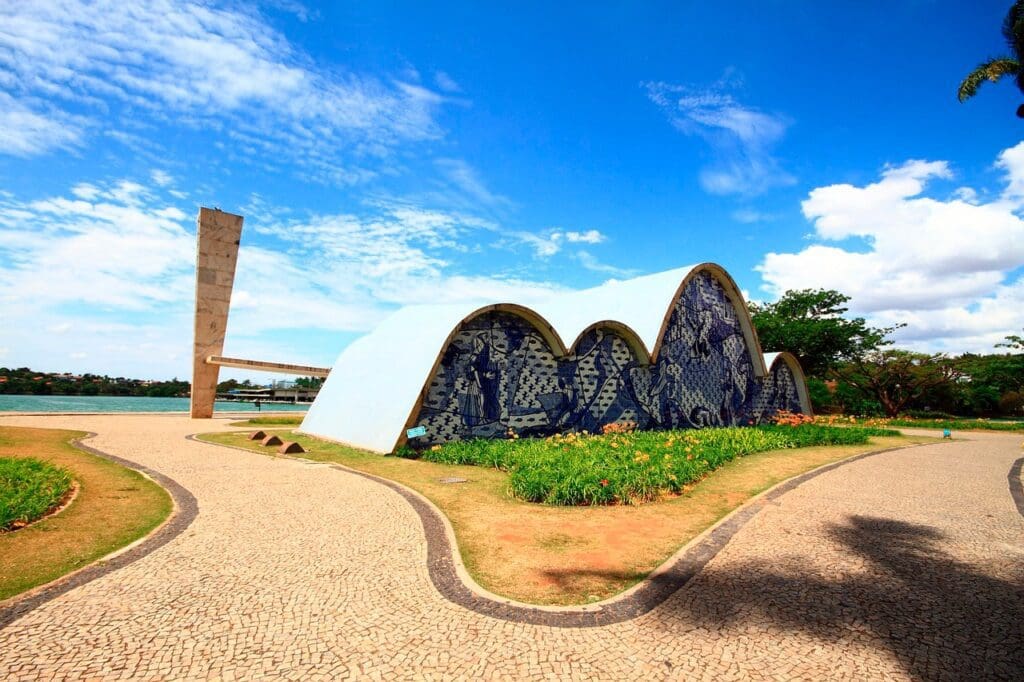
290, 448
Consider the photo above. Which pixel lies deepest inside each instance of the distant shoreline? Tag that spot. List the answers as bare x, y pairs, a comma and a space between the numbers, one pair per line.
107, 404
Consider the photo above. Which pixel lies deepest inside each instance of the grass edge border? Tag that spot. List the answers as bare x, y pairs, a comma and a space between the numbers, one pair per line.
184, 509
450, 578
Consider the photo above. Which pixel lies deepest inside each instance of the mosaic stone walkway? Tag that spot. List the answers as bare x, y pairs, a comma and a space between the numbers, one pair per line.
904, 565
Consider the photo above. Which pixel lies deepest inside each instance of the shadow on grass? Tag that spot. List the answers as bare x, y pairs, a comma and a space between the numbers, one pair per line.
939, 617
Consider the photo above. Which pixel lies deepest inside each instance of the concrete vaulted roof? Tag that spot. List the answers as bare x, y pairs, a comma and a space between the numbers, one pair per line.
375, 387
770, 360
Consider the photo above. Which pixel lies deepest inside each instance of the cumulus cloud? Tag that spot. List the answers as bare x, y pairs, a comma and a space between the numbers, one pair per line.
218, 67
742, 137
946, 266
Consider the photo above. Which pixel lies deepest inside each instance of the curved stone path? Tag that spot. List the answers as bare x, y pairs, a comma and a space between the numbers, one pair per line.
907, 564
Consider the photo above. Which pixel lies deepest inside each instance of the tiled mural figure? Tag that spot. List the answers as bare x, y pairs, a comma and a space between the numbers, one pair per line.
499, 373
778, 391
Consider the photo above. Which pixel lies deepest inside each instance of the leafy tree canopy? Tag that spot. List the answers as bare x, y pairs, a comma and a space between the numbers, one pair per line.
1014, 341
809, 323
896, 378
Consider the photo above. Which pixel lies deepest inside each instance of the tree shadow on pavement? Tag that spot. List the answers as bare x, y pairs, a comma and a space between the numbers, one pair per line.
940, 618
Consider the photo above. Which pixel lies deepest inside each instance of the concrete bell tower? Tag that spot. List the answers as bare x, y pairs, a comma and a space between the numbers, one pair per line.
216, 254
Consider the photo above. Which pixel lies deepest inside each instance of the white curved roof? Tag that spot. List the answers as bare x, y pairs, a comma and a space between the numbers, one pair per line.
376, 382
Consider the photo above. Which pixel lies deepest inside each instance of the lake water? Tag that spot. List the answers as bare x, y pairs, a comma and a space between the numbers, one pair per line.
102, 403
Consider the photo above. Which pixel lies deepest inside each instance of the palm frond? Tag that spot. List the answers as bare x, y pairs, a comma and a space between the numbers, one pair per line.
992, 70
1013, 28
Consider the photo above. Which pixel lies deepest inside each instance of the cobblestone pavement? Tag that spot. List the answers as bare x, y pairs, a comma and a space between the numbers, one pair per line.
908, 564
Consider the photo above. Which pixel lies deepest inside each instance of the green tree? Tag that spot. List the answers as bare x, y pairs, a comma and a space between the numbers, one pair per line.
1013, 341
898, 378
809, 323
995, 68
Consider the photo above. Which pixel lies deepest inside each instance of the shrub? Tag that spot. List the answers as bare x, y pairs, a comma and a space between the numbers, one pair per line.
1012, 403
28, 489
928, 414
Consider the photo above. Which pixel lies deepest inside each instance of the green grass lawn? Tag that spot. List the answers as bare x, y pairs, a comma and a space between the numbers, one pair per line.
629, 468
957, 424
953, 424
29, 489
114, 507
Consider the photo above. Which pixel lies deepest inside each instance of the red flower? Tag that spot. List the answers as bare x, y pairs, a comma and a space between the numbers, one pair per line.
604, 482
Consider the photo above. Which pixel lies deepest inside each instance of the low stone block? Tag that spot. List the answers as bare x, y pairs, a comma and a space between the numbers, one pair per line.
271, 440
290, 448
259, 435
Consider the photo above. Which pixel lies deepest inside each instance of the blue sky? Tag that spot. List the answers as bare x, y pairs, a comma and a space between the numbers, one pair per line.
387, 154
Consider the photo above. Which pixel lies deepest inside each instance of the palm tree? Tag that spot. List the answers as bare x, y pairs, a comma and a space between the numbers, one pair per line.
994, 69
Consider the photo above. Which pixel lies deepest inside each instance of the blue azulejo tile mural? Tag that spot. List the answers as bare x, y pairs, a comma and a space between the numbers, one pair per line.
499, 372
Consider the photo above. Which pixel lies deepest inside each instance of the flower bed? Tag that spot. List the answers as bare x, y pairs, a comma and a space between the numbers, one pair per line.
631, 467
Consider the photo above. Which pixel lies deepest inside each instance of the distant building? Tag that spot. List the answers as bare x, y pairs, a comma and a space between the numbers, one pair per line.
271, 394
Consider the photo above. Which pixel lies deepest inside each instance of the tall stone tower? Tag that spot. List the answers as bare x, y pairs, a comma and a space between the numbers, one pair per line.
216, 254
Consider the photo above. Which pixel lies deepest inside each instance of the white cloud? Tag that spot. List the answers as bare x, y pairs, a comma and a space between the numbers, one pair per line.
462, 178
161, 178
944, 266
548, 243
197, 64
588, 237
108, 270
742, 137
446, 82
401, 254
24, 132
1011, 161
299, 10
588, 261
85, 191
